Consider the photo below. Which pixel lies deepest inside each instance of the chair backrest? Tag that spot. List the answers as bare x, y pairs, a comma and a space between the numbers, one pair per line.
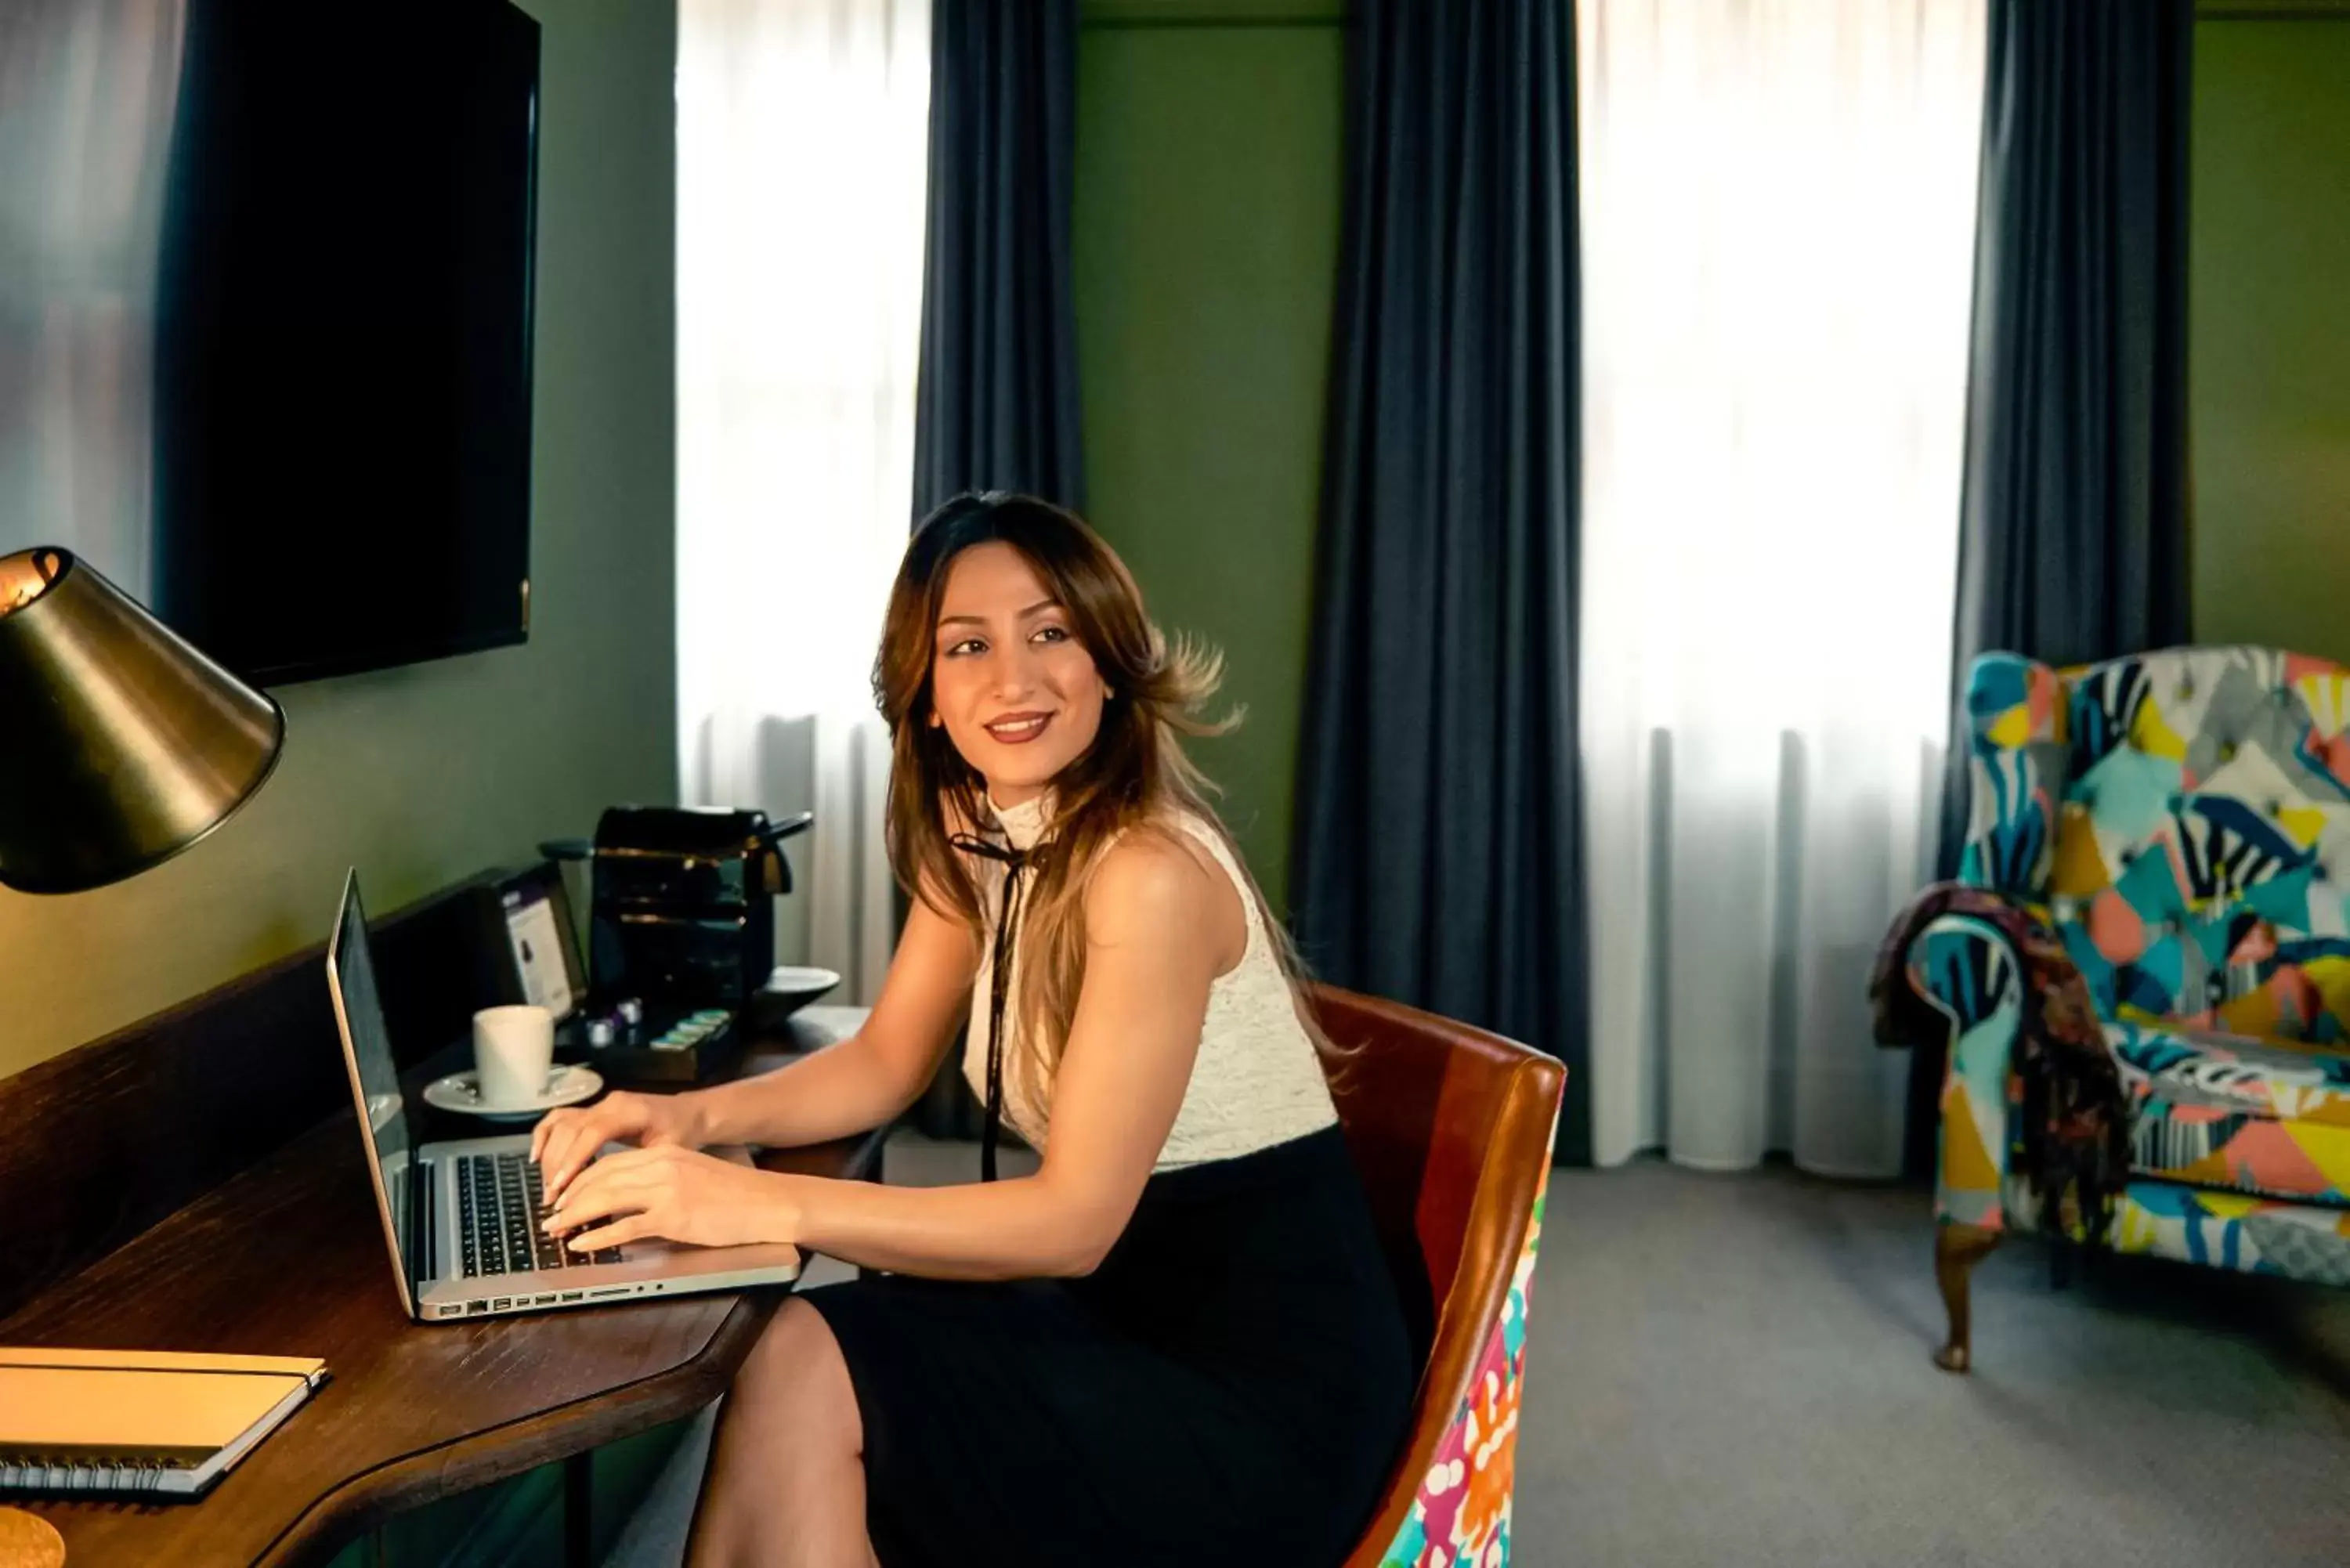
2185, 818
1449, 1128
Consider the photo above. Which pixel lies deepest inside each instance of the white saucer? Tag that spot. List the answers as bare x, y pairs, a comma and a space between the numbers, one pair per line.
797, 985
790, 988
567, 1086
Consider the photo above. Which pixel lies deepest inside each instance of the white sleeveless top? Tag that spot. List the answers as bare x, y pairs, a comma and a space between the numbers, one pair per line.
1257, 1080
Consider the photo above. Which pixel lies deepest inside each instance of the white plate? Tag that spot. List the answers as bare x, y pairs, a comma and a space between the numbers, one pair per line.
567, 1086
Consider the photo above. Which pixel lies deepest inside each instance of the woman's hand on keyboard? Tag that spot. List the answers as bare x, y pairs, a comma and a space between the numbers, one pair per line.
566, 1141
676, 1193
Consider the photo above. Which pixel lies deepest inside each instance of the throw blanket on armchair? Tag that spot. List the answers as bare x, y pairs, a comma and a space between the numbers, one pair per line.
2072, 1130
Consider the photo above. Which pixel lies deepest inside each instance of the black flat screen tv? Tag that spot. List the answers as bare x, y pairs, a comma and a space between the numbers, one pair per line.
342, 332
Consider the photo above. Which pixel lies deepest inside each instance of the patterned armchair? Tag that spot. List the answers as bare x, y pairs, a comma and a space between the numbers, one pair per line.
2181, 820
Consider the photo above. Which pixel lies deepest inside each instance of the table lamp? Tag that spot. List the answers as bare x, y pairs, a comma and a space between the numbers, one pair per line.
119, 746
119, 743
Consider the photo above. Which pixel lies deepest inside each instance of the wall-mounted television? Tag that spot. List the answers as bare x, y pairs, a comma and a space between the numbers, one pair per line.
273, 345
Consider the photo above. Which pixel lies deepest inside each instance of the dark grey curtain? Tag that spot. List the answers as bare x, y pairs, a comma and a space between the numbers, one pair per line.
2074, 531
2072, 523
997, 403
996, 407
1438, 856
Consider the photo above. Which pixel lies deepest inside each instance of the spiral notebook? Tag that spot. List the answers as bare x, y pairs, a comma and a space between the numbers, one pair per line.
157, 1422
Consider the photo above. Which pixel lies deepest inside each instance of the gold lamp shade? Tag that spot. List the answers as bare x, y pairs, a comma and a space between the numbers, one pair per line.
119, 743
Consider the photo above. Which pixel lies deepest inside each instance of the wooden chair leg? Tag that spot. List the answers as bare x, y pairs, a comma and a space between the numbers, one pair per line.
1956, 1250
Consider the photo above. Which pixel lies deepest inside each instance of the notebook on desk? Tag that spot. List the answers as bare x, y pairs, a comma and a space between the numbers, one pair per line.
139, 1421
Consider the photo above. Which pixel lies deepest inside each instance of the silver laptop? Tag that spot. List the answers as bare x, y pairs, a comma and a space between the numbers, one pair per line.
462, 1217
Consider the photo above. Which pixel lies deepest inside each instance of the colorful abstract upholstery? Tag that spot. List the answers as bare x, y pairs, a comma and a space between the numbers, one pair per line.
2228, 1230
2182, 820
1461, 1513
2264, 1117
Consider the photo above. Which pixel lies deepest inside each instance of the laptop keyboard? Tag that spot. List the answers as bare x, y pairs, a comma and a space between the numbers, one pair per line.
499, 1211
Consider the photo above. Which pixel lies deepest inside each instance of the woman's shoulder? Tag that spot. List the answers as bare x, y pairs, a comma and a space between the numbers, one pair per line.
1164, 875
1149, 868
1169, 839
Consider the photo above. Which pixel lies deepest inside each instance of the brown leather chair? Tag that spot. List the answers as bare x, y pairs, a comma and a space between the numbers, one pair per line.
1451, 1129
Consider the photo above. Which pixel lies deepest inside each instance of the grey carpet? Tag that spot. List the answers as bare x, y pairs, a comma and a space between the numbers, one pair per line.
1733, 1370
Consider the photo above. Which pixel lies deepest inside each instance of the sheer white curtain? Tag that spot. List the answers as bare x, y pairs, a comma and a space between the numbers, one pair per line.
801, 146
1778, 205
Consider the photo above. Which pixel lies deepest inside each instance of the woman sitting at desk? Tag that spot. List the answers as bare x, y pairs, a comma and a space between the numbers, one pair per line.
1176, 1341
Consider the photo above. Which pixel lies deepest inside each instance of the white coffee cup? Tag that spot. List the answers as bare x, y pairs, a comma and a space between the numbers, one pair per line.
514, 1052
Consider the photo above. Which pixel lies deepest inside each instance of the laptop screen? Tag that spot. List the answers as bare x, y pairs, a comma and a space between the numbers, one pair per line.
383, 1118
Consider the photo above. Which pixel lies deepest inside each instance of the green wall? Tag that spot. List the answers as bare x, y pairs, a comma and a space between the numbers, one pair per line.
422, 774
2269, 333
1208, 180
1206, 231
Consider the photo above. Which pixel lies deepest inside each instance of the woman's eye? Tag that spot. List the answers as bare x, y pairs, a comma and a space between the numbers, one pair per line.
1053, 634
968, 643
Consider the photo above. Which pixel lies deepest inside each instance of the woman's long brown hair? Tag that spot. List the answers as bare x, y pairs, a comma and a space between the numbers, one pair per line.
1134, 778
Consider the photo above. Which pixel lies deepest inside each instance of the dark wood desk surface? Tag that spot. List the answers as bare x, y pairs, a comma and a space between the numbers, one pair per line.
287, 1258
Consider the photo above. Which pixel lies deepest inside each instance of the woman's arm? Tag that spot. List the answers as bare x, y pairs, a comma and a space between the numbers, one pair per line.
867, 1079
1152, 919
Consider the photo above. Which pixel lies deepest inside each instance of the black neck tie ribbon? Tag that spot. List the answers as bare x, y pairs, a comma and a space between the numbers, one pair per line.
1013, 861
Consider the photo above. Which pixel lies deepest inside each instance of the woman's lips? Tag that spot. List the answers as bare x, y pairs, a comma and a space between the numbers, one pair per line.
1019, 729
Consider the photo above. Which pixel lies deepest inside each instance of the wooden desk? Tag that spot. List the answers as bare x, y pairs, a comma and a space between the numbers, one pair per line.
288, 1257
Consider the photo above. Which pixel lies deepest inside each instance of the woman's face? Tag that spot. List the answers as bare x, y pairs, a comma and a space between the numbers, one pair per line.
1016, 691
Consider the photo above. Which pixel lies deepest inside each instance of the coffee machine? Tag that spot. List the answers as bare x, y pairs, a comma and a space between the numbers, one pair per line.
681, 932
683, 913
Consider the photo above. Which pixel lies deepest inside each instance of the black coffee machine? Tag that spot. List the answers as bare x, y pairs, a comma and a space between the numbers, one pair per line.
683, 912
681, 927
684, 907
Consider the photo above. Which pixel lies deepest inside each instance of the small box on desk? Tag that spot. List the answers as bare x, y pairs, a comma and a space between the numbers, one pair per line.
680, 1051
634, 1057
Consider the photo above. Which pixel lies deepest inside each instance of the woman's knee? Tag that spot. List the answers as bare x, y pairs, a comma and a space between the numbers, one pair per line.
796, 1366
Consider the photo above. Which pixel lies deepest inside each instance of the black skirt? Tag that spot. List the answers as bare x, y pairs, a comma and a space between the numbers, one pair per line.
1231, 1384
